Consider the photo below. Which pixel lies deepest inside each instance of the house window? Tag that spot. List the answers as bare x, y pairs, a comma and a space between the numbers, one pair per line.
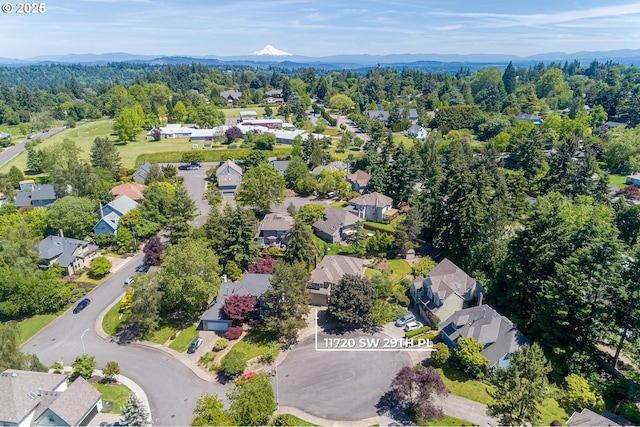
51, 420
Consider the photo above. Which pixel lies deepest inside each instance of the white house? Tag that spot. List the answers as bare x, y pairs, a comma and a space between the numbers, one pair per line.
417, 132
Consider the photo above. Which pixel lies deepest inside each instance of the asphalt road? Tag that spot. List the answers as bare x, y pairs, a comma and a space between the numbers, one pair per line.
10, 152
343, 385
171, 387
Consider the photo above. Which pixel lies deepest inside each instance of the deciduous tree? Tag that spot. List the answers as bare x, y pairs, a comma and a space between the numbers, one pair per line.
238, 307
252, 400
75, 216
83, 366
261, 186
210, 411
417, 389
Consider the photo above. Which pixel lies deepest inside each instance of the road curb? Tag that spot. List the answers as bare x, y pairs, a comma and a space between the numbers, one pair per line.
377, 420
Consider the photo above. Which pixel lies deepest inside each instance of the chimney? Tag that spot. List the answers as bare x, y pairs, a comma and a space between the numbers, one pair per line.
61, 233
101, 213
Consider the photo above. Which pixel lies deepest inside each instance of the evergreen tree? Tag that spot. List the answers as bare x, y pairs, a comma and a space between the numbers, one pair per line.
104, 154
404, 174
351, 300
238, 238
509, 79
183, 210
521, 388
299, 244
134, 413
288, 299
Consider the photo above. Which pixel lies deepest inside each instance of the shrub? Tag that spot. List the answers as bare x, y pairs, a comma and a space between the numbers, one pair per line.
440, 354
270, 354
99, 267
205, 359
221, 344
233, 333
284, 420
233, 364
630, 411
417, 332
232, 270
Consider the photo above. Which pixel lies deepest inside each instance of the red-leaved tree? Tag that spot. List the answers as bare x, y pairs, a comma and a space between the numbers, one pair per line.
153, 251
630, 192
237, 307
415, 389
233, 333
232, 133
263, 266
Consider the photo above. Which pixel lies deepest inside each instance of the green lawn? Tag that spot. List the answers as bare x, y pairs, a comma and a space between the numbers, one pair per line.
618, 180
448, 421
389, 228
301, 422
113, 321
31, 326
255, 343
339, 204
460, 384
231, 113
399, 269
162, 335
370, 272
181, 343
114, 393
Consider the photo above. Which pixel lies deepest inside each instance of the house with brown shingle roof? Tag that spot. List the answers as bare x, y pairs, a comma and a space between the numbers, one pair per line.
38, 398
273, 229
359, 180
132, 191
329, 272
447, 290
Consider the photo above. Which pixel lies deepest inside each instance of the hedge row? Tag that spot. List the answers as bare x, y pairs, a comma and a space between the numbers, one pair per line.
416, 332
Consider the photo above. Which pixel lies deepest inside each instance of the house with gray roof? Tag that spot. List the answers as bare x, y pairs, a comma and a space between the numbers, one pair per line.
329, 272
381, 115
418, 132
359, 180
374, 207
447, 290
229, 177
281, 165
70, 254
232, 96
497, 334
111, 213
586, 417
273, 229
40, 196
333, 166
214, 318
530, 118
140, 175
336, 225
5, 136
37, 398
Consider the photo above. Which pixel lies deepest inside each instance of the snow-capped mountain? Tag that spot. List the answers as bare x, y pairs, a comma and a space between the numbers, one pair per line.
269, 50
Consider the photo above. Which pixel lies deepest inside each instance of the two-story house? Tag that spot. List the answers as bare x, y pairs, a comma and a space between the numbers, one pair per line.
336, 225
229, 177
273, 229
111, 213
359, 180
497, 334
374, 207
70, 254
38, 196
447, 290
329, 272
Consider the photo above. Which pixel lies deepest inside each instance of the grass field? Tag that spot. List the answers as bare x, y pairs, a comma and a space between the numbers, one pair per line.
113, 322
618, 180
114, 393
31, 326
181, 343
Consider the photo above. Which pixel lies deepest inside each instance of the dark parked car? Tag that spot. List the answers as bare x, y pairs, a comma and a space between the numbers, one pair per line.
81, 305
142, 269
195, 344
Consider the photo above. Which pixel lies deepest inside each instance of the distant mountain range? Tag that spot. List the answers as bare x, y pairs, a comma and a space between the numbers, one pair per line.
272, 57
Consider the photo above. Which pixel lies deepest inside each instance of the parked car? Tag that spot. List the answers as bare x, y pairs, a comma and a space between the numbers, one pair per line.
128, 281
143, 268
193, 167
195, 344
404, 319
81, 305
412, 326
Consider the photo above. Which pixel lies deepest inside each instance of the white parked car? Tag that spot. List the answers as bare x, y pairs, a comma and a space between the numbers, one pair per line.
412, 326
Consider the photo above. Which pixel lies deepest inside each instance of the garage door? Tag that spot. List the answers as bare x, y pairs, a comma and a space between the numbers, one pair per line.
215, 325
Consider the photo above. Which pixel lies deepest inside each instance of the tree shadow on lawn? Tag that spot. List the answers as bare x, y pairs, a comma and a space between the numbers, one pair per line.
390, 407
127, 335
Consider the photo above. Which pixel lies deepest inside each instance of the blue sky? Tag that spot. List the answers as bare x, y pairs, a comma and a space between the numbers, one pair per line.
320, 27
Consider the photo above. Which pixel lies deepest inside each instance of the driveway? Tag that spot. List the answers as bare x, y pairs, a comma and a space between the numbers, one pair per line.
196, 182
343, 385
